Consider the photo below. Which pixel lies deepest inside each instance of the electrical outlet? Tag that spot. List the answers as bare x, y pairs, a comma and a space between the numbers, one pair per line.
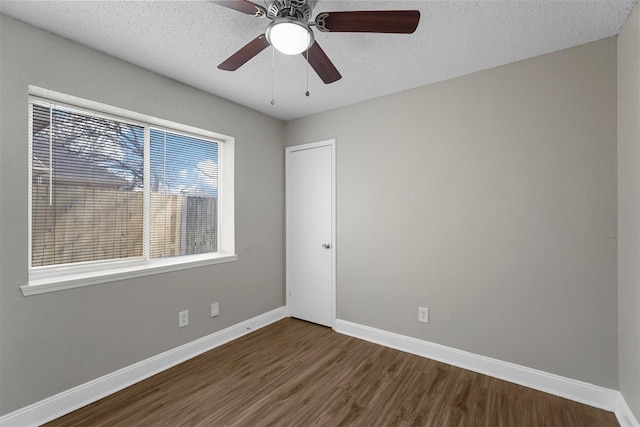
423, 314
183, 319
215, 309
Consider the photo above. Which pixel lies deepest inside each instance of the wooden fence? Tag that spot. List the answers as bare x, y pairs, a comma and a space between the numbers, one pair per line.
182, 225
92, 224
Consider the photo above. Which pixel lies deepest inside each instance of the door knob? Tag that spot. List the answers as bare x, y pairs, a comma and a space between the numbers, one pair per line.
326, 245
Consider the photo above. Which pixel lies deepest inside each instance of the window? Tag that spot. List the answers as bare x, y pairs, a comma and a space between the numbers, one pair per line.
86, 187
184, 195
116, 194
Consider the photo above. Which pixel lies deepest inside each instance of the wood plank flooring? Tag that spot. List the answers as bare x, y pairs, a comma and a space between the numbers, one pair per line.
294, 373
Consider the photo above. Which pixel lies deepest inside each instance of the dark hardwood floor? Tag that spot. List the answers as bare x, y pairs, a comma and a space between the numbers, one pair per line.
294, 373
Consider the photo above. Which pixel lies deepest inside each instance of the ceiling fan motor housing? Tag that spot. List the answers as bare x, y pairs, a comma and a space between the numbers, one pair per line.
297, 9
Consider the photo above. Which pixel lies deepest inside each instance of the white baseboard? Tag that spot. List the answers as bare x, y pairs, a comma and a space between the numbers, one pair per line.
624, 415
82, 395
579, 391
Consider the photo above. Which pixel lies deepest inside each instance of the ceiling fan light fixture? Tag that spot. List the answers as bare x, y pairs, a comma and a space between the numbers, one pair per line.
289, 36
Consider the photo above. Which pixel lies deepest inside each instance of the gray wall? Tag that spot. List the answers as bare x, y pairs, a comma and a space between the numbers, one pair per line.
629, 210
52, 342
490, 199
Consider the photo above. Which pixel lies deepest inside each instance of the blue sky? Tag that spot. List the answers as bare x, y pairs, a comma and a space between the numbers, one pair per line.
191, 164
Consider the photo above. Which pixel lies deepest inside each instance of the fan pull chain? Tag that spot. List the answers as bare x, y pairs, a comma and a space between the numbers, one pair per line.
273, 75
307, 92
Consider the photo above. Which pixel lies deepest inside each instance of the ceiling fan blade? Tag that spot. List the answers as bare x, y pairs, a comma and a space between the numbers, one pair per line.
322, 64
243, 6
377, 21
245, 53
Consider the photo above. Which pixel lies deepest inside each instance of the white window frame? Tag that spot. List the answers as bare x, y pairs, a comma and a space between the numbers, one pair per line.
54, 278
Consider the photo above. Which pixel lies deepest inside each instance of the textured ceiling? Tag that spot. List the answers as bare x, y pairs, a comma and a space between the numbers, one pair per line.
186, 40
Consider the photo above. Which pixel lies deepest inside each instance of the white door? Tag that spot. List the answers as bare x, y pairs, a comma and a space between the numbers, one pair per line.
310, 232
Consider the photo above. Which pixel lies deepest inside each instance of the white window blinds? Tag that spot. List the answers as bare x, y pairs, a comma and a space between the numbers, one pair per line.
91, 200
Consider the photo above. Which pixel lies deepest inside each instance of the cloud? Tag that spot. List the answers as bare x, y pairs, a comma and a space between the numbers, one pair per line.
208, 172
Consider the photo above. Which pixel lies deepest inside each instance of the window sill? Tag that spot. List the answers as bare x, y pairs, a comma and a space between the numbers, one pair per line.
59, 282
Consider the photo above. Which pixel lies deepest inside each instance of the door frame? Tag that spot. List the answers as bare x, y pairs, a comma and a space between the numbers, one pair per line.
288, 152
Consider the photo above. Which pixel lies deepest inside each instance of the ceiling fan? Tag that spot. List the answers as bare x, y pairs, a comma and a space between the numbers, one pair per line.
290, 31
